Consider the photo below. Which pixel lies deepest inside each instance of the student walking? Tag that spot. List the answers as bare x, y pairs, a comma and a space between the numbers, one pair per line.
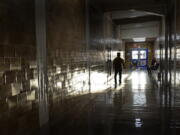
118, 64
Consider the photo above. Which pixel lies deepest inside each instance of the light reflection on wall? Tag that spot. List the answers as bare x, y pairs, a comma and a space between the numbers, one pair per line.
98, 81
178, 38
75, 82
157, 54
79, 83
173, 52
163, 53
177, 78
178, 54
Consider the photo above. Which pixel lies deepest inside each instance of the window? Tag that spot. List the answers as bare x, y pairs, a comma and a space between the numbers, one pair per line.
142, 54
135, 55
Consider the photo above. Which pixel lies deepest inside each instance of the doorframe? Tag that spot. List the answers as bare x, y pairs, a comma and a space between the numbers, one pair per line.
139, 49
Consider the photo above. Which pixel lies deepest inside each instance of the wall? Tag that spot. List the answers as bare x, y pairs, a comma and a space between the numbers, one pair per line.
157, 49
169, 66
73, 67
18, 73
67, 59
148, 30
178, 43
172, 67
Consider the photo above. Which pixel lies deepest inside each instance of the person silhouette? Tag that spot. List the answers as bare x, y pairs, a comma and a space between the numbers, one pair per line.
118, 63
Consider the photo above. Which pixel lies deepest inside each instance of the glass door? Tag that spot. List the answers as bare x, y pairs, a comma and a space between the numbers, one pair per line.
139, 58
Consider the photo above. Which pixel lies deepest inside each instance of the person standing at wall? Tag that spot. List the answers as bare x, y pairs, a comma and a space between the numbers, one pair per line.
118, 64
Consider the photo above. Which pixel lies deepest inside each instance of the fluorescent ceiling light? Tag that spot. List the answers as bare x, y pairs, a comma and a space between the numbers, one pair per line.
139, 39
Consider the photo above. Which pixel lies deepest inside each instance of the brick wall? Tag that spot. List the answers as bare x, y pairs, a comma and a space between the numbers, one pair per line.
68, 72
18, 111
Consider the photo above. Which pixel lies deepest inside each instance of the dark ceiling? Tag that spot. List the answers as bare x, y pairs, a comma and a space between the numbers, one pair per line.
146, 5
137, 19
155, 7
132, 11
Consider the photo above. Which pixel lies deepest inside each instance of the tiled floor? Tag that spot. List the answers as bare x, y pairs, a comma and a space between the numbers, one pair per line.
133, 108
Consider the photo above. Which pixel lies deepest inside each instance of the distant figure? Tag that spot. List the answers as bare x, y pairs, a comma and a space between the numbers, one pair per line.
154, 64
118, 63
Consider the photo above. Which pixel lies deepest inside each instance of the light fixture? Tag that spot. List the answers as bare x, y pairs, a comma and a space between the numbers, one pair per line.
143, 39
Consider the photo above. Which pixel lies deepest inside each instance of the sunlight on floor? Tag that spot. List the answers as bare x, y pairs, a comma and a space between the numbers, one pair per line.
139, 81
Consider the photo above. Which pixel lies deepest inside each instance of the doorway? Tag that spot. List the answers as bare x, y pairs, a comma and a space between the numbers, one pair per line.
139, 58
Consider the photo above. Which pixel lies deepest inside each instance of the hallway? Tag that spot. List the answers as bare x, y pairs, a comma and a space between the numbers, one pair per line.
58, 59
131, 108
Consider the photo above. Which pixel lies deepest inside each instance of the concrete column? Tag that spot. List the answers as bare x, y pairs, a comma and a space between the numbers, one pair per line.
87, 31
40, 18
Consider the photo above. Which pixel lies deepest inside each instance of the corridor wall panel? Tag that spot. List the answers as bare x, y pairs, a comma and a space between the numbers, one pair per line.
178, 43
74, 70
18, 68
67, 59
72, 75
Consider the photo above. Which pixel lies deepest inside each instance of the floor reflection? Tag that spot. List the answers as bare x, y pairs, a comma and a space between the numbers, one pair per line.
139, 99
131, 108
127, 109
139, 82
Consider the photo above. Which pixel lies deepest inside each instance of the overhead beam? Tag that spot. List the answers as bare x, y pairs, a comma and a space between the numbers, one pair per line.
109, 6
156, 10
137, 20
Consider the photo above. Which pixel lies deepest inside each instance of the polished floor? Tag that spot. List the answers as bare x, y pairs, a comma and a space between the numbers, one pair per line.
132, 108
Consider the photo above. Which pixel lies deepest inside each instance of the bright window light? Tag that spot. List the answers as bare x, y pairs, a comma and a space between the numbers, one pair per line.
139, 39
134, 55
